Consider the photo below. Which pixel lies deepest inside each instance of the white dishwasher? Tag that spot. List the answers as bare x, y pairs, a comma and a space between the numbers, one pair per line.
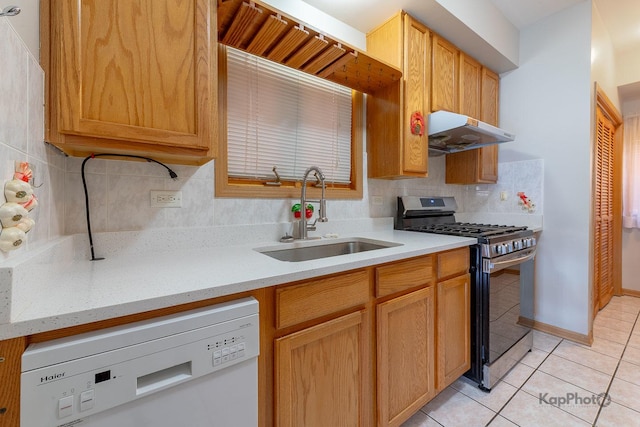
193, 369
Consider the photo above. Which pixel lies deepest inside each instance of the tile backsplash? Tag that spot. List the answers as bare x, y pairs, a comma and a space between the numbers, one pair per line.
119, 190
21, 135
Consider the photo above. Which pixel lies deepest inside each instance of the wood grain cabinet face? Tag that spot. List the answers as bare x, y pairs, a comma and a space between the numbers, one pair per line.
479, 166
393, 149
131, 77
469, 84
445, 61
454, 334
321, 371
406, 355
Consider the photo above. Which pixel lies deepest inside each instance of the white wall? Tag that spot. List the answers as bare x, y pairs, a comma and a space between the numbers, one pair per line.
631, 237
603, 58
26, 23
546, 103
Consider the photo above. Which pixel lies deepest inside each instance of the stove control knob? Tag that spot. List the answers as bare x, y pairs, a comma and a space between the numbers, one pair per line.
518, 244
509, 247
497, 249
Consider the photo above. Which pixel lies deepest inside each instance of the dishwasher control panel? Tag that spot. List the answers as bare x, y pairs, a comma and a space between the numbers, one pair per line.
73, 378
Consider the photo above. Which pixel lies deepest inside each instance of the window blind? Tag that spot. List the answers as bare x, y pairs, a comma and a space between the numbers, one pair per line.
278, 116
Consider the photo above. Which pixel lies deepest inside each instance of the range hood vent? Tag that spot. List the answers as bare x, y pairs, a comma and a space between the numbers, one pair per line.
451, 132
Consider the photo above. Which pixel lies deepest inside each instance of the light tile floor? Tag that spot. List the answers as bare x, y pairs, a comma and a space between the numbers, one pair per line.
600, 384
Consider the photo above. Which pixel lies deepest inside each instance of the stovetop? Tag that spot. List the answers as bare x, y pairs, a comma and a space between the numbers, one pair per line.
436, 215
468, 229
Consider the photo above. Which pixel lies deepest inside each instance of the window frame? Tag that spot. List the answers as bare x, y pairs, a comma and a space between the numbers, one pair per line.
247, 188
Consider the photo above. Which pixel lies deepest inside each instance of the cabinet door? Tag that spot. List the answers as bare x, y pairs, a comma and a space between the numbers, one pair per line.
416, 77
444, 75
479, 166
489, 107
489, 97
406, 355
321, 374
134, 71
454, 339
469, 84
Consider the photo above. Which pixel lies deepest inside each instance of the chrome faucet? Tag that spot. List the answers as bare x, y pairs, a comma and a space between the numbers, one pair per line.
301, 227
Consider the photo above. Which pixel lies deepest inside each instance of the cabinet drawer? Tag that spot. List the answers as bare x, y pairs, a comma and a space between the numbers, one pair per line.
453, 263
403, 275
317, 298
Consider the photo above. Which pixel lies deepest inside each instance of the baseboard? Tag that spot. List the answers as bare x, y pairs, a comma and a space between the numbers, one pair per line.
630, 292
559, 332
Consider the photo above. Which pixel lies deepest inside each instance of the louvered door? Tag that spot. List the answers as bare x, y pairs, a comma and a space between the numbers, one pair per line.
603, 198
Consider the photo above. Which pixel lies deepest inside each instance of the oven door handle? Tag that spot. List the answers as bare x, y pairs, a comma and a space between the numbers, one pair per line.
490, 267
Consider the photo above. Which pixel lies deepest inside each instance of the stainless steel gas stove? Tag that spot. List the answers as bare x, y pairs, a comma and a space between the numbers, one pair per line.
498, 339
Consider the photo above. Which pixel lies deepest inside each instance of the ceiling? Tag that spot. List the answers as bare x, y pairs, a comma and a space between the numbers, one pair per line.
620, 17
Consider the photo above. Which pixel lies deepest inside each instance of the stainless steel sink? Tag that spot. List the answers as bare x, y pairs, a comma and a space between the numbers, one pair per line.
315, 250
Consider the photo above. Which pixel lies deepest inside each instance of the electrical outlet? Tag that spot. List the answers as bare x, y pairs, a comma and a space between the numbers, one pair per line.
166, 199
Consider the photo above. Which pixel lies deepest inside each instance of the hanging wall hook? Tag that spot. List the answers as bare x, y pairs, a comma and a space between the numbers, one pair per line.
10, 11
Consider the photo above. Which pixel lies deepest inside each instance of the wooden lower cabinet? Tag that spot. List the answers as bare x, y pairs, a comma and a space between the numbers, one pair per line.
405, 355
10, 361
320, 374
454, 334
324, 343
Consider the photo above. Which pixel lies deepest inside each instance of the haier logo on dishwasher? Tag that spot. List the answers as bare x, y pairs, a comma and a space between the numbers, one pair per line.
48, 378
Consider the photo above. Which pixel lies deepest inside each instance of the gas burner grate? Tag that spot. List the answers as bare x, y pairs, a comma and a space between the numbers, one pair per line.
467, 229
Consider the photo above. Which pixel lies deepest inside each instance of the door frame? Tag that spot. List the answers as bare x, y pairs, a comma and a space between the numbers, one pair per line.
611, 112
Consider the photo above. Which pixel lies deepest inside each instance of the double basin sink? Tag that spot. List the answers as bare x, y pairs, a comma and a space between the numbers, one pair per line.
310, 250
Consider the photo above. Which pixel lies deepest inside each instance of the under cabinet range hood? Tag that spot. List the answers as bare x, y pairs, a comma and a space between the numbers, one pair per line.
451, 132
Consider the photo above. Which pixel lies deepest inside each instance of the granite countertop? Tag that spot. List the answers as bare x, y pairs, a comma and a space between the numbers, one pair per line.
49, 291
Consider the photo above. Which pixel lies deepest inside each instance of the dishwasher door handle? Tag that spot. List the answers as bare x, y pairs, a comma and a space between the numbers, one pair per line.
163, 378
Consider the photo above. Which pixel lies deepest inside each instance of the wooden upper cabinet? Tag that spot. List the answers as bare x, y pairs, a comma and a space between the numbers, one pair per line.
445, 61
394, 151
131, 77
489, 96
469, 86
479, 166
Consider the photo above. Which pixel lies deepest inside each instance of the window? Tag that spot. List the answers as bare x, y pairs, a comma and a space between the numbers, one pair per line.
276, 116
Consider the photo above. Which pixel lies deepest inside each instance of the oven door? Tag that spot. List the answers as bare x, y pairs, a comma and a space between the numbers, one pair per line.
498, 303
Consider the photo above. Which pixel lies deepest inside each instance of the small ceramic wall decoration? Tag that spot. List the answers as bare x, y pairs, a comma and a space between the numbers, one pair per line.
17, 191
526, 202
11, 238
11, 214
417, 123
23, 172
20, 200
308, 211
